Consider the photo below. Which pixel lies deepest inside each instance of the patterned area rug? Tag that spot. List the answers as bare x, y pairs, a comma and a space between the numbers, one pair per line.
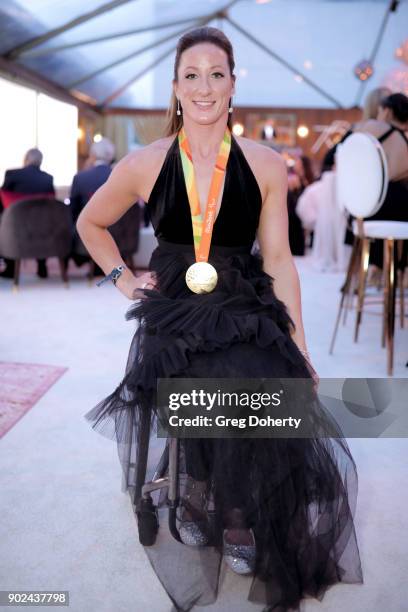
21, 386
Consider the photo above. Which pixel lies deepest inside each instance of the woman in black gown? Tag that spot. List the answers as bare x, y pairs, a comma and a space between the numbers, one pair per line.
300, 178
283, 508
390, 129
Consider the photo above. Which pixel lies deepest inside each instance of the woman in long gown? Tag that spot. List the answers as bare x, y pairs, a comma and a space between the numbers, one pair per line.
299, 179
282, 508
388, 122
390, 129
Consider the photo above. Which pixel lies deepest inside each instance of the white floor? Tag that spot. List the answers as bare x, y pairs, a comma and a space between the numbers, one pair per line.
65, 524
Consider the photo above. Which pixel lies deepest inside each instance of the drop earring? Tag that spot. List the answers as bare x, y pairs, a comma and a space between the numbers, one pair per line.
178, 112
230, 106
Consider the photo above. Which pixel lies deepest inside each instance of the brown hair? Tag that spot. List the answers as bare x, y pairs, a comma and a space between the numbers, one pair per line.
398, 104
204, 34
373, 102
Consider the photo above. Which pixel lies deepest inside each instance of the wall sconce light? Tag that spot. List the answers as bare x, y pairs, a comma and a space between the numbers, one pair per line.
303, 131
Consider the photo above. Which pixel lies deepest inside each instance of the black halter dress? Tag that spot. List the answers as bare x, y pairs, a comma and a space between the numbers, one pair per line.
298, 495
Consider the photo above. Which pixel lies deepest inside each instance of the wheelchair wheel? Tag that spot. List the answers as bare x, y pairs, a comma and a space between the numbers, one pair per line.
147, 521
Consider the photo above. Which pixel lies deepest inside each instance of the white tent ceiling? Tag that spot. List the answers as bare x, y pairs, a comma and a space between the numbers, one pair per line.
305, 57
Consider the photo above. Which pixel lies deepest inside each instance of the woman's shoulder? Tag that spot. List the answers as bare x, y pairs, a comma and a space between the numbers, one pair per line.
141, 167
149, 154
259, 152
372, 126
267, 164
137, 171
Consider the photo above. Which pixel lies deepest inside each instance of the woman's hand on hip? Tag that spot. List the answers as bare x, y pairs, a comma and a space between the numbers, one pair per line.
131, 285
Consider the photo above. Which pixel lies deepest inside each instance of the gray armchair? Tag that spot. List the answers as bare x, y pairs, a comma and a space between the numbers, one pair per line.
37, 228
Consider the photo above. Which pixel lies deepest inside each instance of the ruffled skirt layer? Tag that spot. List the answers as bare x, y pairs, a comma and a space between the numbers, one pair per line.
298, 495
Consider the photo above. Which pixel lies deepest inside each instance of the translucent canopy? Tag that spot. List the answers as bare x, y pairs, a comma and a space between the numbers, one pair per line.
288, 53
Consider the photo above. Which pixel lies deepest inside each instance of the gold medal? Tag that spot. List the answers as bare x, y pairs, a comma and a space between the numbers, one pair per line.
201, 277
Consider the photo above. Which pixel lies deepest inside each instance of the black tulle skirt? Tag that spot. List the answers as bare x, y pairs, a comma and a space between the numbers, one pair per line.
298, 495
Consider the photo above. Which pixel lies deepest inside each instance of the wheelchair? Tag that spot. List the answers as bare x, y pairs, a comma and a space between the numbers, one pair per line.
145, 510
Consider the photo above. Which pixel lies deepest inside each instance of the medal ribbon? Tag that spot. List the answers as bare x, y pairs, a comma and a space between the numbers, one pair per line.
202, 229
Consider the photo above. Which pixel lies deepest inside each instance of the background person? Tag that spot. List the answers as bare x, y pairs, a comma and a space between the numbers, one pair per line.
389, 128
300, 176
86, 182
84, 185
321, 213
23, 183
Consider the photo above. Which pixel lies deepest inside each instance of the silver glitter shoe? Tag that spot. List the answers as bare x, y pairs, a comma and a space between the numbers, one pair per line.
189, 530
191, 534
240, 557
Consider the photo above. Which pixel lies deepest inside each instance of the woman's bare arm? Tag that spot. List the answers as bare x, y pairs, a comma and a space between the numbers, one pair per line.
274, 243
108, 204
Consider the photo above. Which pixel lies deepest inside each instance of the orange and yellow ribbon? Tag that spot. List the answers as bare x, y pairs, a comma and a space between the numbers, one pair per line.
202, 229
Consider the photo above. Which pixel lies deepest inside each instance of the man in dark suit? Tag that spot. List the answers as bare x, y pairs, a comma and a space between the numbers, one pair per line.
23, 183
86, 182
